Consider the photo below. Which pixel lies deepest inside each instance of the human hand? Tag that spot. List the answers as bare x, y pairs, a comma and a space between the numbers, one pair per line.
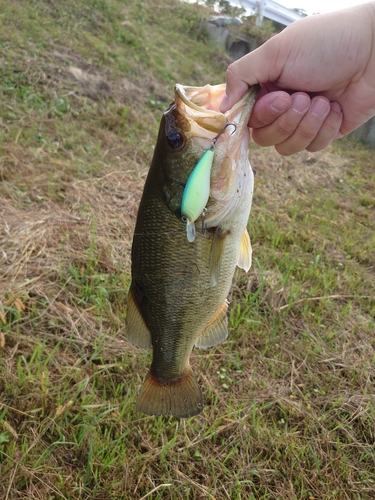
295, 122
330, 60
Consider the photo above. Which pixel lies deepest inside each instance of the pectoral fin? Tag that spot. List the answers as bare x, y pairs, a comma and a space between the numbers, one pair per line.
216, 331
244, 258
216, 255
137, 332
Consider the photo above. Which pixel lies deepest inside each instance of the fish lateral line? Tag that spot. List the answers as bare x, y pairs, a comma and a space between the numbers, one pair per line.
205, 230
166, 233
197, 188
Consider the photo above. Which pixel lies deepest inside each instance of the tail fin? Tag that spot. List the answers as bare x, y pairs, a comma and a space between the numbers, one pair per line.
181, 398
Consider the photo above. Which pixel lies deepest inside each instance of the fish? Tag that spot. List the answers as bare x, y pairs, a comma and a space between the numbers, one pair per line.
190, 234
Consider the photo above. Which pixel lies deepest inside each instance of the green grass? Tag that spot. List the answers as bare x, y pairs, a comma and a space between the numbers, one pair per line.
289, 397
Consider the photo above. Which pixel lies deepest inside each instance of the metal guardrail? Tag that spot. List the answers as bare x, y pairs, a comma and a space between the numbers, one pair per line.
269, 9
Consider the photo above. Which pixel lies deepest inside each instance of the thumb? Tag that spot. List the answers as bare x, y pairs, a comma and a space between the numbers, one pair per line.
262, 65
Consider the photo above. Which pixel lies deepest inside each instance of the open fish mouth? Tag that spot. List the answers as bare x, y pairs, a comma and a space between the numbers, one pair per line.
201, 107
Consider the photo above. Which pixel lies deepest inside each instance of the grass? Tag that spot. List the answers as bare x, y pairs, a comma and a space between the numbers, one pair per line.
290, 410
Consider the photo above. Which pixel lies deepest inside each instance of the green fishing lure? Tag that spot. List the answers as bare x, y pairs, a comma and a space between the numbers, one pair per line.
197, 192
197, 189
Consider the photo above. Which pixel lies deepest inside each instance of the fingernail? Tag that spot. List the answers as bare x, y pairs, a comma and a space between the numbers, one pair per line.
319, 107
300, 103
224, 106
280, 104
335, 106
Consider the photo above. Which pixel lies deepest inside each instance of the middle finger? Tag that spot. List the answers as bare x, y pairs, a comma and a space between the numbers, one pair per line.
307, 129
285, 125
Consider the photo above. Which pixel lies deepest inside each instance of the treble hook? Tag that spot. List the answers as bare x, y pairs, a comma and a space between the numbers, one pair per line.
214, 140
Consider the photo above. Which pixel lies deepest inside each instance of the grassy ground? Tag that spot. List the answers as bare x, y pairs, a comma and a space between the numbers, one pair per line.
290, 399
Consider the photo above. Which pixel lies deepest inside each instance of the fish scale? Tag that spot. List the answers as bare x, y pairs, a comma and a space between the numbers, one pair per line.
174, 303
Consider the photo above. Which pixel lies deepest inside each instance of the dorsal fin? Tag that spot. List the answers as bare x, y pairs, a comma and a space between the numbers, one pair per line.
216, 331
244, 257
137, 332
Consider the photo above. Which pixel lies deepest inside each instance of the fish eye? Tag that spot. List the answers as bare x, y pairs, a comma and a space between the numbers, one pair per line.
176, 140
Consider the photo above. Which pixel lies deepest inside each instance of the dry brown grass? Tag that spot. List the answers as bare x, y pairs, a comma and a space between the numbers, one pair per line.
289, 396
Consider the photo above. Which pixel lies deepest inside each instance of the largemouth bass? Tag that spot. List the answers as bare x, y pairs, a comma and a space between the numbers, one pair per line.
183, 260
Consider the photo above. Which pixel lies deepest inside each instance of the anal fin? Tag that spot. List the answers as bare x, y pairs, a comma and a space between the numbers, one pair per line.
245, 255
137, 332
181, 397
216, 331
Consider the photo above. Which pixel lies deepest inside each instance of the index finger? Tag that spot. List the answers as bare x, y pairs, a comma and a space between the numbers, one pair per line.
236, 88
259, 66
268, 107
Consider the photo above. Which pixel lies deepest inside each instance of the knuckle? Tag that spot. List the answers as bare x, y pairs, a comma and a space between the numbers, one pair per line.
306, 133
319, 143
326, 134
231, 71
332, 123
285, 128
